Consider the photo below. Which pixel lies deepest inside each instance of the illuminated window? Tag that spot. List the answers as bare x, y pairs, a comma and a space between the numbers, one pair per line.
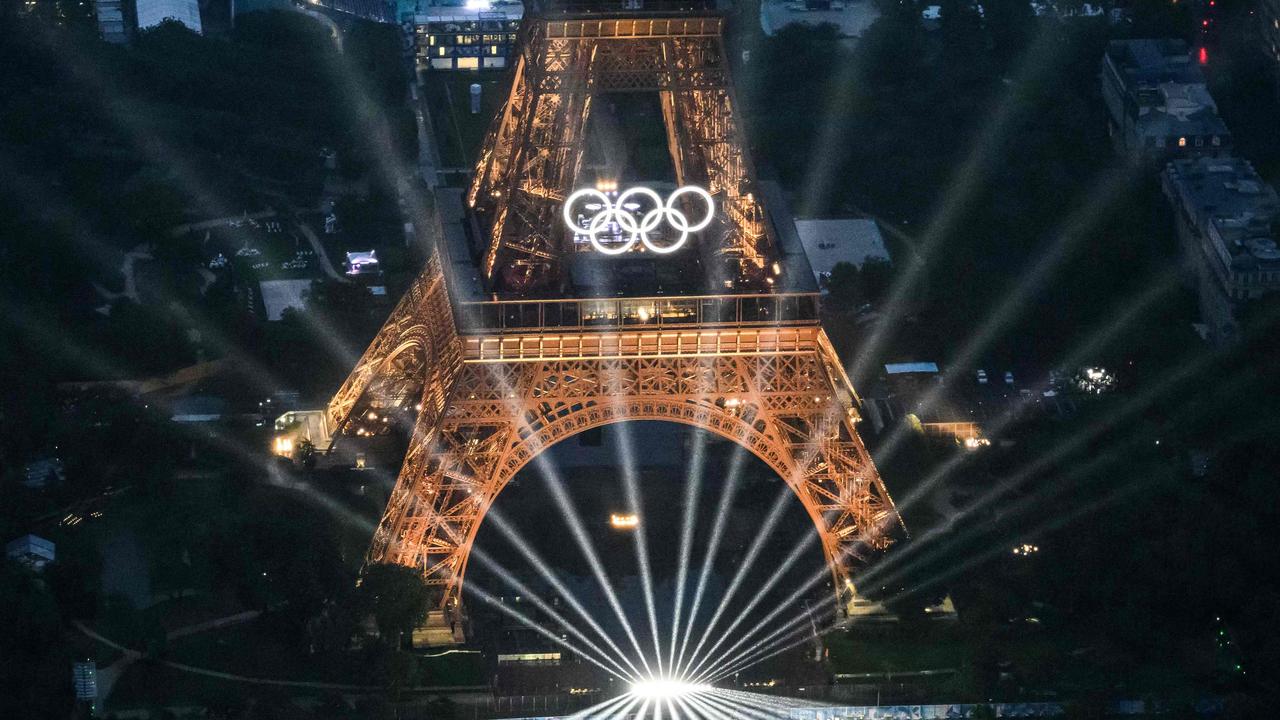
493, 49
468, 63
1182, 142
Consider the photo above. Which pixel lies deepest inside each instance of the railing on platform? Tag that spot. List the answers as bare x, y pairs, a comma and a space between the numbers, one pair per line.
643, 312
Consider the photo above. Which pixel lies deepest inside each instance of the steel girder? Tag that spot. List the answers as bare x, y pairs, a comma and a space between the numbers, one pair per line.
533, 152
409, 364
486, 403
787, 408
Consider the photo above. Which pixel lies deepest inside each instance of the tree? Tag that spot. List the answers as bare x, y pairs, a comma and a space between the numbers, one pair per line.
875, 277
844, 286
397, 597
305, 455
852, 287
964, 40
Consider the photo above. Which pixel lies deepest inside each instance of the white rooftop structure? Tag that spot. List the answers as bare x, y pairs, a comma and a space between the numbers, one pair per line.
910, 367
31, 550
153, 12
468, 10
852, 18
277, 295
828, 242
362, 262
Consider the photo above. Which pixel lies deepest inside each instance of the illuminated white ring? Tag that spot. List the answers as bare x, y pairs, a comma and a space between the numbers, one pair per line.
597, 224
683, 225
637, 231
648, 222
578, 195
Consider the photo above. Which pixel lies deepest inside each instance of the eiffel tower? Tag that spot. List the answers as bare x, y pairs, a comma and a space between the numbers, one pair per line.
520, 333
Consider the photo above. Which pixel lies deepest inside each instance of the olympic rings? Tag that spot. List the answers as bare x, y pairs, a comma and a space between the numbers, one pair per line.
615, 212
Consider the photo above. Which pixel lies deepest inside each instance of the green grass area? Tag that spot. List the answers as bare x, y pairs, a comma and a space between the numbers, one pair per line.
458, 131
252, 649
895, 651
453, 669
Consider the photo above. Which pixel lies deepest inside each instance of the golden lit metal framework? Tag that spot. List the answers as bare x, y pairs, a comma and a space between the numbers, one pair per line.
534, 150
485, 400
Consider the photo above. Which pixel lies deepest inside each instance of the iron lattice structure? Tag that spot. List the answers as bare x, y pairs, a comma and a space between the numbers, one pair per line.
535, 148
484, 401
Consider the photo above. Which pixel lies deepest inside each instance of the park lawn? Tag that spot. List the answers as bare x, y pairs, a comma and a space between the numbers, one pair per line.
455, 669
459, 133
892, 651
253, 650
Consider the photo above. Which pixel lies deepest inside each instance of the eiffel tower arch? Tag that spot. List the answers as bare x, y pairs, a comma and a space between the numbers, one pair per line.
498, 350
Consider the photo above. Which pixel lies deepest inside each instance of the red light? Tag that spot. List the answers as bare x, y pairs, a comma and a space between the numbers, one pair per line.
1206, 23
1204, 56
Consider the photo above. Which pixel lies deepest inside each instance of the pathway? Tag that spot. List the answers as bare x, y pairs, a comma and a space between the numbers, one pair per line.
133, 655
323, 256
130, 277
428, 156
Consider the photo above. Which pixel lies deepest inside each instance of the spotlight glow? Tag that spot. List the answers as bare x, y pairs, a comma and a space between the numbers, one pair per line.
664, 688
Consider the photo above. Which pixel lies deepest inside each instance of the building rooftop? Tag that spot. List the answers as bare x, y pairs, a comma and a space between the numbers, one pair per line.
852, 18
465, 10
847, 240
910, 367
30, 549
197, 408
279, 295
1229, 203
38, 473
1154, 61
1162, 91
152, 13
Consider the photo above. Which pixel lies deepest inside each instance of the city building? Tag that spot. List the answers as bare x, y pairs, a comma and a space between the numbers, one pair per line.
830, 242
1158, 103
1228, 224
39, 473
31, 550
296, 426
914, 395
363, 263
474, 35
111, 21
197, 409
376, 10
280, 295
153, 12
851, 18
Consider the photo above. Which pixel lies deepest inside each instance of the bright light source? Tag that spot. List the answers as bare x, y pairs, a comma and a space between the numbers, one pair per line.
655, 689
615, 218
625, 522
